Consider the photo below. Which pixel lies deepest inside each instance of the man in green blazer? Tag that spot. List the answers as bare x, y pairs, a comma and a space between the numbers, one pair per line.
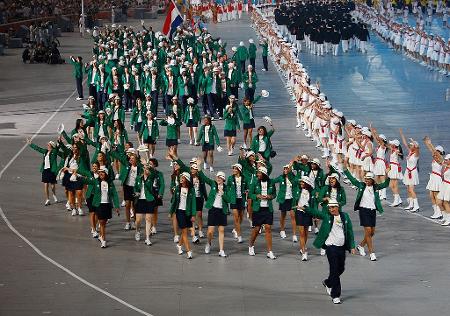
336, 236
78, 74
252, 52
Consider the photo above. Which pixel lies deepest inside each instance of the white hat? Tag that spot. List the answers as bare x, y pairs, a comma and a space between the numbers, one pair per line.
333, 202
287, 166
352, 122
237, 166
193, 160
395, 142
322, 97
103, 169
241, 43
250, 41
333, 175
232, 97
131, 151
383, 137
221, 174
190, 100
369, 175
249, 153
234, 48
439, 148
367, 133
339, 114
327, 105
307, 180
304, 156
316, 161
148, 112
52, 143
187, 176
194, 166
263, 170
447, 157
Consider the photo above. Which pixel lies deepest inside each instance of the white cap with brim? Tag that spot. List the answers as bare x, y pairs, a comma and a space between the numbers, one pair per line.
439, 148
263, 170
307, 180
221, 174
447, 157
333, 202
103, 169
237, 166
369, 175
316, 161
395, 142
249, 153
187, 176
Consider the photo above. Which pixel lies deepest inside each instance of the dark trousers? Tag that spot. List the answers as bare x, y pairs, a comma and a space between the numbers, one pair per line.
167, 101
221, 105
93, 91
127, 100
154, 95
205, 104
265, 63
101, 99
234, 91
336, 260
183, 101
250, 94
252, 62
242, 66
79, 86
212, 103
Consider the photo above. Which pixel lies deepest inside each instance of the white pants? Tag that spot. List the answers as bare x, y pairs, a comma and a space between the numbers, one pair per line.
320, 49
335, 49
362, 46
345, 46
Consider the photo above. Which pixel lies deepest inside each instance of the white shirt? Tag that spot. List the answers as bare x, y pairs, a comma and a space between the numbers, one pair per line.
104, 186
304, 198
101, 133
47, 161
218, 200
116, 113
136, 79
262, 144
73, 164
238, 187
150, 125
153, 82
333, 194
264, 203
288, 195
336, 236
196, 186
94, 72
142, 195
132, 176
190, 113
368, 198
207, 127
213, 88
183, 199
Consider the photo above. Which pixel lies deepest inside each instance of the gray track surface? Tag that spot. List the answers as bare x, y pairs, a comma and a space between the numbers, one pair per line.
411, 276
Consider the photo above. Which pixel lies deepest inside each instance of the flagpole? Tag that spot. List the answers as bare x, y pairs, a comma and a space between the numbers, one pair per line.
82, 18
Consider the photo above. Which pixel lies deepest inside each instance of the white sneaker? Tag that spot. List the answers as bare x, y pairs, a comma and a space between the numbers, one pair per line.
176, 238
103, 244
373, 257
94, 233
127, 226
195, 239
361, 250
239, 239
132, 214
200, 234
122, 204
222, 254
328, 289
80, 212
207, 247
251, 251
117, 177
294, 238
309, 228
235, 235
137, 236
153, 230
316, 230
322, 252
211, 169
180, 249
133, 225
68, 206
336, 300
148, 242
47, 202
282, 234
55, 198
270, 255
205, 166
189, 255
74, 212
446, 222
305, 256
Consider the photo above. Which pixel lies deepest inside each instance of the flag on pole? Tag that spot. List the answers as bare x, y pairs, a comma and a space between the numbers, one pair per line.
173, 20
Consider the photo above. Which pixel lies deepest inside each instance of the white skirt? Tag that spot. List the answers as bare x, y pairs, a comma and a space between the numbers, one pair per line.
444, 192
379, 168
413, 180
367, 164
434, 184
394, 174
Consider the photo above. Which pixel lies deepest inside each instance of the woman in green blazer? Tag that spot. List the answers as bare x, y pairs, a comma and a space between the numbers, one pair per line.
261, 143
286, 183
172, 125
104, 200
158, 191
232, 115
191, 119
149, 132
262, 192
49, 167
138, 116
237, 191
217, 205
208, 138
332, 190
183, 206
248, 120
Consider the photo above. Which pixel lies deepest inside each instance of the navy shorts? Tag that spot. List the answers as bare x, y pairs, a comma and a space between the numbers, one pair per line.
286, 205
143, 206
303, 219
239, 205
229, 133
207, 147
216, 217
48, 176
183, 220
263, 216
367, 217
171, 142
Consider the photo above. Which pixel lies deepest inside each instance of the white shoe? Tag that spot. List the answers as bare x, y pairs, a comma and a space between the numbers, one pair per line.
328, 289
153, 230
68, 206
239, 239
205, 166
191, 142
230, 153
127, 226
270, 255
195, 240
445, 222
415, 206
122, 204
189, 255
316, 230
55, 199
176, 238
195, 143
322, 252
180, 249
251, 251
235, 235
200, 234
74, 212
80, 212
310, 228
305, 256
373, 257
207, 248
222, 254
47, 202
137, 236
179, 141
361, 250
133, 225
148, 242
103, 244
410, 205
94, 233
337, 300
282, 234
117, 177
294, 238
211, 169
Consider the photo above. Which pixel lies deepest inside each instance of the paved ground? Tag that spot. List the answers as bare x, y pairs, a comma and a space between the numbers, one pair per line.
411, 276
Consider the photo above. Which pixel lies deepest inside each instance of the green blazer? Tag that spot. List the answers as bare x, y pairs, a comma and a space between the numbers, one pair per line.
232, 187
145, 133
231, 120
248, 170
302, 169
242, 53
213, 136
135, 115
202, 186
213, 192
77, 68
96, 190
265, 49
252, 51
253, 80
255, 189
296, 193
266, 139
172, 130
281, 196
325, 192
362, 186
326, 226
246, 119
125, 166
191, 203
54, 153
148, 186
196, 117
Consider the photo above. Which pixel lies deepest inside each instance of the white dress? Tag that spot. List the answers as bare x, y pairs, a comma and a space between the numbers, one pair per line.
367, 163
444, 192
411, 176
396, 169
435, 177
379, 168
